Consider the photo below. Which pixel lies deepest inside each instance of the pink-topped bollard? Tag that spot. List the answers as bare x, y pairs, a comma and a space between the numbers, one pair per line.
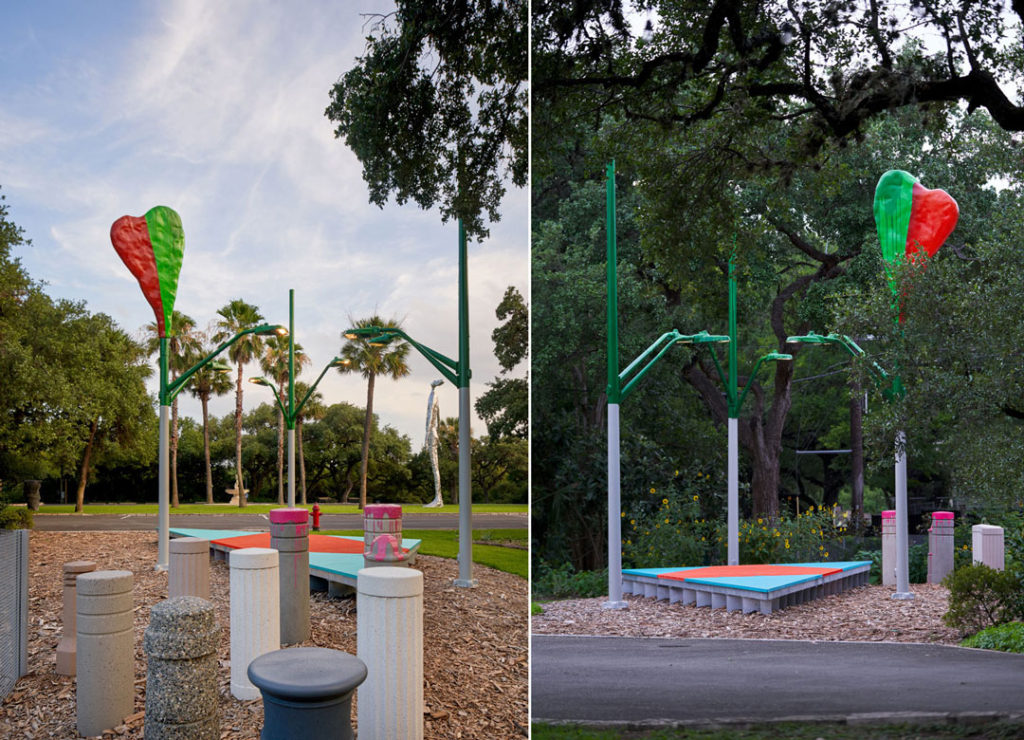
889, 547
940, 546
382, 535
289, 535
66, 648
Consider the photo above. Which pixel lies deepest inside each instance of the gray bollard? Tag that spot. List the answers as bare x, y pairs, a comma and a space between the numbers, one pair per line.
181, 679
940, 546
289, 535
105, 689
66, 647
307, 693
188, 571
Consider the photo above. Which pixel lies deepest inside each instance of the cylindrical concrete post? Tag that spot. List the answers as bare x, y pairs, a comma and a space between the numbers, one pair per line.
289, 535
940, 546
889, 547
382, 534
66, 647
189, 568
105, 689
389, 640
987, 546
307, 693
181, 678
255, 613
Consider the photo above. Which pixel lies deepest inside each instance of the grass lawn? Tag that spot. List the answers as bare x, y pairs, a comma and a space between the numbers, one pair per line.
444, 543
792, 731
264, 508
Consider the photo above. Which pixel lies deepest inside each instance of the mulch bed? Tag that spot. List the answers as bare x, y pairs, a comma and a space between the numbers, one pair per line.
475, 644
865, 614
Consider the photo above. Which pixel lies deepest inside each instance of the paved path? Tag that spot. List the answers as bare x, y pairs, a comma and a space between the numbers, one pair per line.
122, 522
626, 680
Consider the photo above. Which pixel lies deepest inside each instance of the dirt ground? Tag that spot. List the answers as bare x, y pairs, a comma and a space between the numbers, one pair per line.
865, 614
475, 644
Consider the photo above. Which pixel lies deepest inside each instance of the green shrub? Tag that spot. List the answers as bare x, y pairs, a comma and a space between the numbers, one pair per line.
15, 518
979, 597
674, 533
565, 583
875, 556
1006, 637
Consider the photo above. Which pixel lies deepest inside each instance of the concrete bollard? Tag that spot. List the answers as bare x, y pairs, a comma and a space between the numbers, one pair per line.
289, 535
105, 688
255, 614
389, 640
66, 647
987, 546
307, 693
889, 547
181, 679
188, 572
382, 535
940, 546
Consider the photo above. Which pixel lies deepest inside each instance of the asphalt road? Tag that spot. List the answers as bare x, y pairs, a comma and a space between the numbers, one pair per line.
138, 522
623, 680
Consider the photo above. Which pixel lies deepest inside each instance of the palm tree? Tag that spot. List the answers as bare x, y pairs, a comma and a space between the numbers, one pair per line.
274, 364
234, 317
207, 382
313, 409
371, 361
183, 345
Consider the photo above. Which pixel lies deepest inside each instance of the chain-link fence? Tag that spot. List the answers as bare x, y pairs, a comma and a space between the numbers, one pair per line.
13, 607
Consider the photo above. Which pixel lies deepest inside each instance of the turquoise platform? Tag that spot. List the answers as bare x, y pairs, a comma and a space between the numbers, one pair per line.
763, 593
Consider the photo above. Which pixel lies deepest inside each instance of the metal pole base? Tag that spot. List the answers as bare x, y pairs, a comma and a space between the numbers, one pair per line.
160, 567
903, 596
464, 583
615, 605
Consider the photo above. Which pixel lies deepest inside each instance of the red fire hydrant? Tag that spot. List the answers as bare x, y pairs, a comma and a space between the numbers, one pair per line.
316, 517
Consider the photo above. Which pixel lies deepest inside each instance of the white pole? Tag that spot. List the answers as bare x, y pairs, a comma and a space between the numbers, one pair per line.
902, 549
465, 578
164, 494
734, 493
291, 468
614, 516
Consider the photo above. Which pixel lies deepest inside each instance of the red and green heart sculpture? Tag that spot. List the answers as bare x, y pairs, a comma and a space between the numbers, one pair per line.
152, 247
913, 221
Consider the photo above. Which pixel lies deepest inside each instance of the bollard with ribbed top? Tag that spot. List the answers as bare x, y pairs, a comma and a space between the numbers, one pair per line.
382, 535
255, 614
389, 639
66, 648
307, 693
105, 688
289, 535
889, 547
181, 677
188, 571
940, 546
987, 547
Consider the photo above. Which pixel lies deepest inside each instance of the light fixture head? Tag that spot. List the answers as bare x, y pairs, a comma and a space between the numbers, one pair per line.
340, 362
218, 366
261, 381
777, 357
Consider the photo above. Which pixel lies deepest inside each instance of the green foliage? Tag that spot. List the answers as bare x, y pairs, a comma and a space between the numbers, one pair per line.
505, 407
564, 582
15, 517
436, 109
980, 597
1007, 637
875, 556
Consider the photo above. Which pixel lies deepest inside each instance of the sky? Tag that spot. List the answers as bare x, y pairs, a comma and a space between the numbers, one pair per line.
216, 109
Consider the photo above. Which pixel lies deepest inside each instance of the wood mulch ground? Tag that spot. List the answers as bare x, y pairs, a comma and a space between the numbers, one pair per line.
475, 644
865, 614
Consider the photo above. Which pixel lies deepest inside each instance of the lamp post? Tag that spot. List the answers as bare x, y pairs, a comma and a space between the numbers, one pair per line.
734, 402
168, 390
893, 392
621, 385
458, 373
291, 415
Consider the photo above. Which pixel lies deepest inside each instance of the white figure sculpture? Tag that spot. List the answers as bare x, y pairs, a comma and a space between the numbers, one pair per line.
433, 421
